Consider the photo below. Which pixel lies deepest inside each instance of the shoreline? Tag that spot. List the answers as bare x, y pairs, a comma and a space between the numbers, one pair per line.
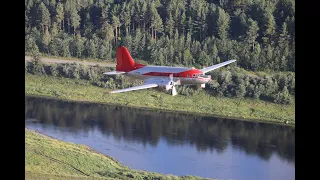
88, 147
61, 156
163, 110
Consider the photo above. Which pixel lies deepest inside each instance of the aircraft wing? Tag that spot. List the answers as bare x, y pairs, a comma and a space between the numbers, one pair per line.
114, 72
144, 86
210, 68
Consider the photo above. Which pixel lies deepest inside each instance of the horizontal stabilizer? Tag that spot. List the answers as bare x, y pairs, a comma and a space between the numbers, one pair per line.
114, 72
210, 68
145, 86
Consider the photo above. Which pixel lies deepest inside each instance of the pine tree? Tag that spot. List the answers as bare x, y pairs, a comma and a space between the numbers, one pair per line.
169, 25
75, 20
283, 45
157, 25
188, 41
270, 29
45, 17
68, 7
46, 40
190, 26
126, 17
60, 15
54, 30
183, 22
187, 57
115, 24
214, 53
252, 33
79, 47
222, 23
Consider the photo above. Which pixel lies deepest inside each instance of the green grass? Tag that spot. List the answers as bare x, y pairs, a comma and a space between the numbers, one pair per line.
48, 158
202, 103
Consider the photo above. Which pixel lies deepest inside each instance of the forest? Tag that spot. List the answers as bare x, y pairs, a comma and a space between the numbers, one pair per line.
260, 34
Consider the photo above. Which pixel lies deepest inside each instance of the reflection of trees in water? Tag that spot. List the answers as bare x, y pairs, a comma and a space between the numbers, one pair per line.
146, 127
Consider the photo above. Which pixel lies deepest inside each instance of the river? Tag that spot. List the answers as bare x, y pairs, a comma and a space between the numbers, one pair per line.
170, 143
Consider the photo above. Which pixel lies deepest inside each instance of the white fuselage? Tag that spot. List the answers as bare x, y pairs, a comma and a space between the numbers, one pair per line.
187, 76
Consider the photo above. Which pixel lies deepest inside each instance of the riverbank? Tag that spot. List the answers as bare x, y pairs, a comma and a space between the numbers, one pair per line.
202, 103
49, 158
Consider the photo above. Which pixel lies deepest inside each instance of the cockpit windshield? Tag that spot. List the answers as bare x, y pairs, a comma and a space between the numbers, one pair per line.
196, 75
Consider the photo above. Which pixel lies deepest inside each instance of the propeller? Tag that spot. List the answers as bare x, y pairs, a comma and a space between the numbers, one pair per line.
178, 82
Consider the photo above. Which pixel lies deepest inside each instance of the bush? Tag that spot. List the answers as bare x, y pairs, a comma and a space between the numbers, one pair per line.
84, 74
65, 70
53, 70
240, 90
186, 90
283, 97
36, 66
277, 88
257, 92
76, 71
92, 75
250, 90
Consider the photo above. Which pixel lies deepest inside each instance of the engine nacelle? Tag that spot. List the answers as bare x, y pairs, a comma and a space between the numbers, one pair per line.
166, 84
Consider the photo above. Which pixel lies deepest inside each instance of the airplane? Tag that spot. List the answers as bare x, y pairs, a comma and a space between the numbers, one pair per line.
159, 76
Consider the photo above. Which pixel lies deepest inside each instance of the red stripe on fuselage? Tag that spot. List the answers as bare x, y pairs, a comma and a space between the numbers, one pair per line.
185, 74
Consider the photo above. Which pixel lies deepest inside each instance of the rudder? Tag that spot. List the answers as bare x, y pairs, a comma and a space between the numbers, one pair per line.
124, 60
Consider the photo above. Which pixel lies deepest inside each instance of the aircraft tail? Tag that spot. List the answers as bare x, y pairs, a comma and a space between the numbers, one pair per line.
125, 62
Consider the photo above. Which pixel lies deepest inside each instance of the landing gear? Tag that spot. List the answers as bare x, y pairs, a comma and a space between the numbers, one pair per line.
173, 91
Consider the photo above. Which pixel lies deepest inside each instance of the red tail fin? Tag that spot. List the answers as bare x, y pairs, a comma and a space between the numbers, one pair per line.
125, 61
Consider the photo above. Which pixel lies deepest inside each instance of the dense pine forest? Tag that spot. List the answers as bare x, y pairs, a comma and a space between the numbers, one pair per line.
260, 34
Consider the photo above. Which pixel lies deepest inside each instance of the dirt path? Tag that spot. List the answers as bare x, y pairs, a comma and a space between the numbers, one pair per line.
53, 60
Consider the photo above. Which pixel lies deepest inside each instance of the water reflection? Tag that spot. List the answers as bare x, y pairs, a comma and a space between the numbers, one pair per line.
148, 127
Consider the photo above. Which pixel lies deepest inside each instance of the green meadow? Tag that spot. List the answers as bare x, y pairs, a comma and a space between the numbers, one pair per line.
199, 103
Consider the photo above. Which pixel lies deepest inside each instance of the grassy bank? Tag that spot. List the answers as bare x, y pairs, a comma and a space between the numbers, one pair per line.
48, 158
79, 90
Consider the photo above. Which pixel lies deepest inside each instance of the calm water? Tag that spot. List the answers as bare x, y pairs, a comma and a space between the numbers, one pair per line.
170, 143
